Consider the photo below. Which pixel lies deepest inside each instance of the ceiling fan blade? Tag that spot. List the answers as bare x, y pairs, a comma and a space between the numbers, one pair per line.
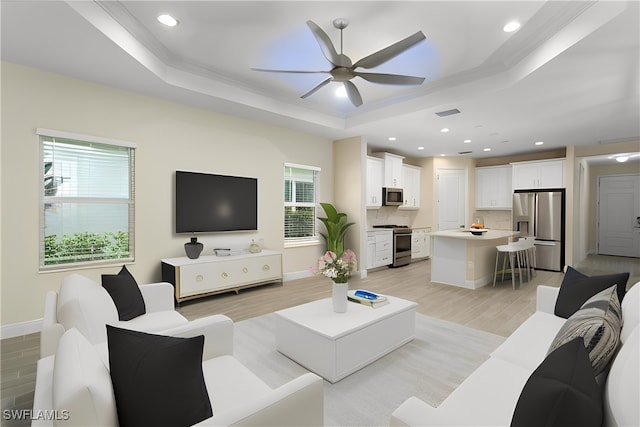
389, 52
327, 47
267, 70
319, 86
353, 93
390, 79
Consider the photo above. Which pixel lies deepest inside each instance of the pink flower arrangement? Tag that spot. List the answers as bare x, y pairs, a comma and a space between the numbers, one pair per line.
337, 269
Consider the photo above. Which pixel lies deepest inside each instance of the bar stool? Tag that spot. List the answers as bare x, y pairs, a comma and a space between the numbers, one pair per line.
516, 253
530, 253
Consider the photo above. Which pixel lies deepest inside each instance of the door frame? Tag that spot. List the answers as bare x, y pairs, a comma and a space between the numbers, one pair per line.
464, 172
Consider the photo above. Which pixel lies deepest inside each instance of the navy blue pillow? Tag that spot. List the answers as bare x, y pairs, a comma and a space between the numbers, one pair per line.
561, 392
125, 293
577, 288
157, 380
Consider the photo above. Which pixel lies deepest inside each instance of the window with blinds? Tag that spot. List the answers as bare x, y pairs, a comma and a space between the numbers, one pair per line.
300, 200
87, 193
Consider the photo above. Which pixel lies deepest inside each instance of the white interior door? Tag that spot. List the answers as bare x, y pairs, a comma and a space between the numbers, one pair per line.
451, 198
619, 215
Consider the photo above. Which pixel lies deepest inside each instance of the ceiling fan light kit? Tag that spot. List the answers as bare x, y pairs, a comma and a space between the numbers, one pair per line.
344, 70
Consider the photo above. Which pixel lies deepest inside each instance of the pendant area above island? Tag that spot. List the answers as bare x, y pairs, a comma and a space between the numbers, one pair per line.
463, 259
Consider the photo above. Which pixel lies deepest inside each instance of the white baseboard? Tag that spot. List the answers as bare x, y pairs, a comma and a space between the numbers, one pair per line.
22, 328
296, 275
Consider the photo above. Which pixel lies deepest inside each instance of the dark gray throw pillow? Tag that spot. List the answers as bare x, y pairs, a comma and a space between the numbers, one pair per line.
157, 380
598, 322
561, 392
125, 294
576, 288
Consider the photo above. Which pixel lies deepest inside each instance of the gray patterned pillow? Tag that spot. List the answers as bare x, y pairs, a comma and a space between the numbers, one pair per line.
598, 322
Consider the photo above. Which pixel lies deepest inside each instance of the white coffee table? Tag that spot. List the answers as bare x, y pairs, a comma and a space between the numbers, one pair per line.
334, 345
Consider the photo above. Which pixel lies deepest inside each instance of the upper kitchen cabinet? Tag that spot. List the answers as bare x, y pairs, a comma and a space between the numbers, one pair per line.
392, 169
538, 174
375, 173
493, 188
411, 186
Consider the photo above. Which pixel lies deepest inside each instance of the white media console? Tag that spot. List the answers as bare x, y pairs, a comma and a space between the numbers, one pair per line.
207, 275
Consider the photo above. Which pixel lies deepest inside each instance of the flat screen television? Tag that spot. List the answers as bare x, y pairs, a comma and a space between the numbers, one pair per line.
210, 203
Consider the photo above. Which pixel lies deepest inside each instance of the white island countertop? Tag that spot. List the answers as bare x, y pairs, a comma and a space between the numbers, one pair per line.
466, 234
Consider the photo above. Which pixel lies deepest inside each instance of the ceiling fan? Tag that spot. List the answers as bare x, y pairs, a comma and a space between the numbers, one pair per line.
344, 70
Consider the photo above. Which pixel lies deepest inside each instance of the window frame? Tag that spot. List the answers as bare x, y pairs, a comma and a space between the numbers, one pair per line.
309, 240
48, 134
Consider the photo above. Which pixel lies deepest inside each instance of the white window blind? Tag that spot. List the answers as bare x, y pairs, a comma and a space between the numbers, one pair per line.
87, 210
300, 199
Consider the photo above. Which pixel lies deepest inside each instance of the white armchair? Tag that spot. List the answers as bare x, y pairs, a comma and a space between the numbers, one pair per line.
79, 373
85, 305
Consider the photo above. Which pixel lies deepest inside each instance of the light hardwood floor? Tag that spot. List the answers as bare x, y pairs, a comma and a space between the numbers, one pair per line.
498, 310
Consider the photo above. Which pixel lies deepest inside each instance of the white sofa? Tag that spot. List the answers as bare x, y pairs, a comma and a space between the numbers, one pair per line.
489, 395
85, 305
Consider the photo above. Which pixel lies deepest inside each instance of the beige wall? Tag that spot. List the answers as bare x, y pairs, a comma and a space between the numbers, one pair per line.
349, 159
169, 137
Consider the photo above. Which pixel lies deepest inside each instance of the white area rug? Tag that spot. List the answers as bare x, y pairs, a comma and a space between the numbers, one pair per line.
430, 367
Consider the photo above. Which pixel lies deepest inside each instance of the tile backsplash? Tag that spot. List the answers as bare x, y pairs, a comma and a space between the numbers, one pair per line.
497, 220
390, 215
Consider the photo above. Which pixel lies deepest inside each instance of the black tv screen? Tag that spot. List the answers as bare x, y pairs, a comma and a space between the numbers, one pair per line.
207, 203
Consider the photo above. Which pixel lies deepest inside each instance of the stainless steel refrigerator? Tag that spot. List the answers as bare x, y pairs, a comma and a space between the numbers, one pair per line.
541, 214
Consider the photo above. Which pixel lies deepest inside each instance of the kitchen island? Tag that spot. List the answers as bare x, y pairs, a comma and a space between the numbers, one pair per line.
462, 259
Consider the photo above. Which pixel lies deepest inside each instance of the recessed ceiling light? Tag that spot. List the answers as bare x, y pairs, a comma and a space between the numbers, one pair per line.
420, 148
442, 155
539, 142
486, 149
341, 92
622, 159
511, 27
167, 20
467, 141
392, 138
444, 130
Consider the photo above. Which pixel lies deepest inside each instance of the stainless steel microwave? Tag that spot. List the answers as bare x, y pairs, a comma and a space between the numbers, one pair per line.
392, 196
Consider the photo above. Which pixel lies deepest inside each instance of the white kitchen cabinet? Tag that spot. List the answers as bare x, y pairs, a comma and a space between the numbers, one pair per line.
411, 182
375, 175
420, 243
206, 275
392, 169
538, 174
493, 188
379, 248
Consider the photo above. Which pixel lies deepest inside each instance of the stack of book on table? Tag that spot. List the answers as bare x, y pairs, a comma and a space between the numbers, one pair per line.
369, 298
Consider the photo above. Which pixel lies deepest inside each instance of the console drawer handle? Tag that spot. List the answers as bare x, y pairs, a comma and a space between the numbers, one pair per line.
224, 275
266, 267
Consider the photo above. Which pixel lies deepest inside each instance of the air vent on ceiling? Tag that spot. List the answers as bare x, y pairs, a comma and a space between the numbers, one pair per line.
448, 112
465, 152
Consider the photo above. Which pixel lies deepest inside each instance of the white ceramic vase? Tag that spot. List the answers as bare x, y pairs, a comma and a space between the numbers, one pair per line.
339, 294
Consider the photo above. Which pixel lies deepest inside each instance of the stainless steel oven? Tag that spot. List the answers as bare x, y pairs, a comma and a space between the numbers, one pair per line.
401, 244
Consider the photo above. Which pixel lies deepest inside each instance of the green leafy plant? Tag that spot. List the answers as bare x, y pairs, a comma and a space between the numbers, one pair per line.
336, 225
85, 246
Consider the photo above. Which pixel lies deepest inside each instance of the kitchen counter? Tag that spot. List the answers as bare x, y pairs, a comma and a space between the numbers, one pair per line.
466, 235
462, 259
